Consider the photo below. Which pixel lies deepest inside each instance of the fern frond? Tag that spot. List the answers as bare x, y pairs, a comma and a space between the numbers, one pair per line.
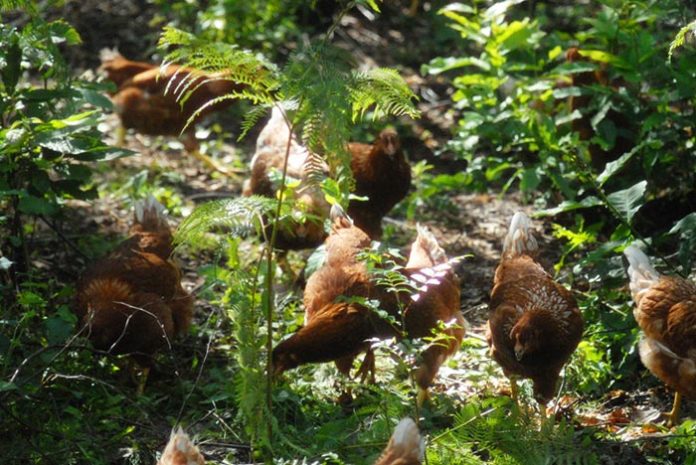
241, 215
13, 5
681, 38
385, 90
228, 62
251, 118
508, 436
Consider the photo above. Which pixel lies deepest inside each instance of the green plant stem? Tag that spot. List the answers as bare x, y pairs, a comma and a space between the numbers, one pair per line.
337, 22
269, 280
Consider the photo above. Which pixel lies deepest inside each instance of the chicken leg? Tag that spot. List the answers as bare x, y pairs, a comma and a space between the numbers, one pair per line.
121, 136
673, 416
514, 391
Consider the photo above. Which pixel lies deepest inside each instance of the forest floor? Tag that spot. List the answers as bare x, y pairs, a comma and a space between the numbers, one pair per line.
469, 224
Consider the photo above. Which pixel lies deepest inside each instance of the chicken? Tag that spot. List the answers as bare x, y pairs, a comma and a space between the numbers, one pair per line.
271, 146
338, 329
406, 447
180, 450
131, 302
146, 98
584, 125
534, 323
666, 312
381, 174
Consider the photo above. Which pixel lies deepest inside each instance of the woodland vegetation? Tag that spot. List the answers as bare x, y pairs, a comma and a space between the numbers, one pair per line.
578, 113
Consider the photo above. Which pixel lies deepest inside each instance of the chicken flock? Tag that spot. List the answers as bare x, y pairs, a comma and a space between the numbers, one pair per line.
132, 302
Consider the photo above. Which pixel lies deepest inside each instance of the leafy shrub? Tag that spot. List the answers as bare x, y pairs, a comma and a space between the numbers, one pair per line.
49, 132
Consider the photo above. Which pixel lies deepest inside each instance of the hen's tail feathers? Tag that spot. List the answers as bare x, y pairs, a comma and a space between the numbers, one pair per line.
109, 54
640, 271
149, 213
425, 250
519, 239
180, 450
406, 446
677, 372
339, 217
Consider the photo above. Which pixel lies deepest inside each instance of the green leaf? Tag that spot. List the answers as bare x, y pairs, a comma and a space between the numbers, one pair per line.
613, 167
529, 180
680, 38
686, 227
241, 215
628, 201
36, 206
569, 205
7, 386
60, 327
315, 261
12, 69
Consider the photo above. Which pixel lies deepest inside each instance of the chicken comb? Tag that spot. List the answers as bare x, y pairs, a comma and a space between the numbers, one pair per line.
339, 215
641, 273
519, 239
180, 450
150, 213
406, 445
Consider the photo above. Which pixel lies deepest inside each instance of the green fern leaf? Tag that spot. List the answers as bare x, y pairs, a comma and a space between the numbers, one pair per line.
385, 90
681, 38
241, 215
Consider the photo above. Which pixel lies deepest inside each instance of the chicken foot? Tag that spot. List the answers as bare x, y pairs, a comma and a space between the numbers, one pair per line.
367, 368
673, 416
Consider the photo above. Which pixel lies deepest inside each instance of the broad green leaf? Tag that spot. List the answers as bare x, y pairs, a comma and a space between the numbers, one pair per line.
529, 180
613, 167
569, 205
686, 227
515, 35
36, 206
12, 69
628, 201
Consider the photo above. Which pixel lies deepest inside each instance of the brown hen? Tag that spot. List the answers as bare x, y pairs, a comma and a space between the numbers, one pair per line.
534, 323
339, 331
381, 174
666, 312
180, 450
146, 98
271, 146
132, 302
405, 447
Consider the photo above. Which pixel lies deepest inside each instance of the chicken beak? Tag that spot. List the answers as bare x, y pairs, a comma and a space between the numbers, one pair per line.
519, 352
